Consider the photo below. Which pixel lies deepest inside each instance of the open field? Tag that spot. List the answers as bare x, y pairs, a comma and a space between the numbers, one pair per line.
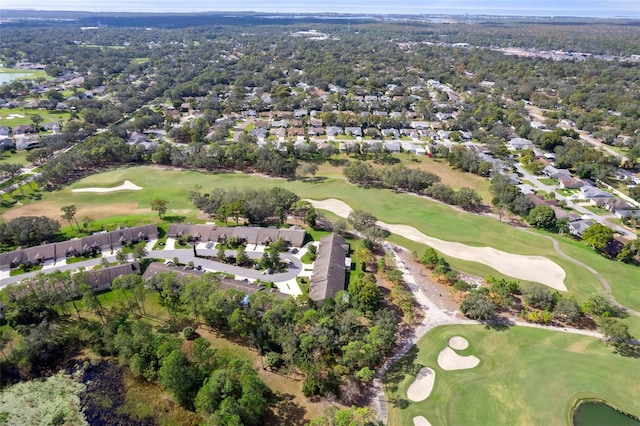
16, 116
20, 157
431, 218
526, 376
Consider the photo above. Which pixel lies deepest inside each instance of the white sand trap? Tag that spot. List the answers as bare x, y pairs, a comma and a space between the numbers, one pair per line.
127, 185
458, 343
420, 421
15, 116
449, 360
422, 386
530, 268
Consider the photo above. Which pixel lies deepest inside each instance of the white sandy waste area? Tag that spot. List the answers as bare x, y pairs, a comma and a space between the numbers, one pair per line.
458, 343
420, 421
422, 386
530, 268
127, 185
449, 360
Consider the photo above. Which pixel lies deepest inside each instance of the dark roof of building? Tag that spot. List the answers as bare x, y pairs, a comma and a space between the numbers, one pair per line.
252, 235
329, 268
225, 283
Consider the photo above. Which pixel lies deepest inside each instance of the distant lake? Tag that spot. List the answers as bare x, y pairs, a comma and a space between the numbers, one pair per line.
595, 413
6, 77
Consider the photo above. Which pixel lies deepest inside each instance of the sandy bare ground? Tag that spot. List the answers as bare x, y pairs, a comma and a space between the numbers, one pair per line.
127, 185
53, 210
420, 421
449, 360
530, 268
458, 343
422, 386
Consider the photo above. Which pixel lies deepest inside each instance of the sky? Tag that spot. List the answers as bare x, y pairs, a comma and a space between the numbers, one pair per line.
582, 8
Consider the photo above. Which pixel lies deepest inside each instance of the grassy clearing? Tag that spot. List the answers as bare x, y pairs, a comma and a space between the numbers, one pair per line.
525, 376
19, 157
433, 219
12, 121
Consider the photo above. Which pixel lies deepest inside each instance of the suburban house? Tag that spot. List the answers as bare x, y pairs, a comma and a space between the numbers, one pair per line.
353, 131
330, 268
518, 144
334, 131
251, 235
391, 133
554, 173
393, 147
577, 227
569, 182
595, 195
6, 143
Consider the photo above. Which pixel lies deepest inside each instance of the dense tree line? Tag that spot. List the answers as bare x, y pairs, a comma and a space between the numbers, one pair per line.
28, 231
401, 178
257, 206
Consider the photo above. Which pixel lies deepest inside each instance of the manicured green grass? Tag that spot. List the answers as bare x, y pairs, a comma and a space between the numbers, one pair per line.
550, 182
433, 219
19, 157
597, 210
526, 377
48, 116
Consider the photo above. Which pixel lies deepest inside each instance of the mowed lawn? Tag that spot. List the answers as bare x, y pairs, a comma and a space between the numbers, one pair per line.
431, 218
526, 377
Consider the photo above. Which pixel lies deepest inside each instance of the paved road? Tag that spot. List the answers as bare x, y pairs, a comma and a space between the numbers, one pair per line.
570, 203
186, 256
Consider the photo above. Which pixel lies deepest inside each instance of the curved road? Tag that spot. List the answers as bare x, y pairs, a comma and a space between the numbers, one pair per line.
186, 256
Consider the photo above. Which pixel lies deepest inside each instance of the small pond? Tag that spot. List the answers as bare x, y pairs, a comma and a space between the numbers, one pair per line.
597, 413
6, 77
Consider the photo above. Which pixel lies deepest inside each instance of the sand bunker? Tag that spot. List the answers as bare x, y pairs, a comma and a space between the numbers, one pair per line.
422, 386
420, 421
458, 343
449, 360
10, 116
127, 185
530, 268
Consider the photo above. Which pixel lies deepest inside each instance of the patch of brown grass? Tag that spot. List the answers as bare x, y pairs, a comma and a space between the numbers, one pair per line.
52, 210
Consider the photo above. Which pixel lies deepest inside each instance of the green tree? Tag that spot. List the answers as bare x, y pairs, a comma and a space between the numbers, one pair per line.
542, 217
598, 236
122, 257
159, 205
365, 294
69, 214
430, 258
538, 297
477, 306
567, 309
179, 377
614, 331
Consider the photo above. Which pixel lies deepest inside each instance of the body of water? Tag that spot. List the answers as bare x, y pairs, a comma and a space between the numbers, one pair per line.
596, 413
6, 77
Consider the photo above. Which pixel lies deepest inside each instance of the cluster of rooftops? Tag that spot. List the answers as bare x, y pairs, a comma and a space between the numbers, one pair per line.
91, 244
329, 272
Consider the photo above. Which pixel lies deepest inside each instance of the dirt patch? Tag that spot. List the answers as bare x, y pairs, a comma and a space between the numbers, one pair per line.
53, 211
